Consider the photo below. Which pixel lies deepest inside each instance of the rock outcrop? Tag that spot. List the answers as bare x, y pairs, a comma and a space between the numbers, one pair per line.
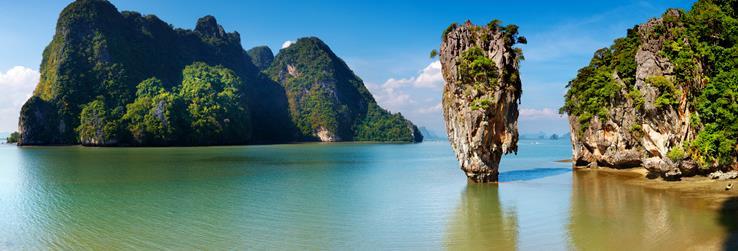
632, 137
328, 102
481, 95
638, 102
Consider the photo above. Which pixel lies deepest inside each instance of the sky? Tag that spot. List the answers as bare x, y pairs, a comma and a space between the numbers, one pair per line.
386, 43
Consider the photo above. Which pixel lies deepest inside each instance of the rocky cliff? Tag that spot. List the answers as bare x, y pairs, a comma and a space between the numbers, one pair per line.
122, 78
328, 102
650, 99
481, 95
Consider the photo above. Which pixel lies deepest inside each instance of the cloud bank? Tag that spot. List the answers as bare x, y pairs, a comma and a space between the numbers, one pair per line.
17, 85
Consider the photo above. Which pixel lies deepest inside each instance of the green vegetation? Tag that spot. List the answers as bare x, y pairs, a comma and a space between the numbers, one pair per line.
636, 129
121, 78
494, 24
205, 109
380, 125
324, 94
717, 109
97, 125
448, 29
676, 154
433, 53
638, 100
475, 67
214, 96
105, 53
13, 138
261, 56
157, 116
702, 46
705, 55
478, 72
669, 94
480, 104
594, 90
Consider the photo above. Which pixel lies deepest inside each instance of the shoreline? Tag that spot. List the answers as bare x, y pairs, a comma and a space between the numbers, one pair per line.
698, 190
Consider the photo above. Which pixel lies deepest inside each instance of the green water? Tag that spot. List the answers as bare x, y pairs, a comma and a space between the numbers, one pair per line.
328, 196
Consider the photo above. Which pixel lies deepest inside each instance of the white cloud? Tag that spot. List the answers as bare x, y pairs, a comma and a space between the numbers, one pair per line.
433, 109
429, 77
545, 113
393, 93
287, 43
17, 85
417, 97
389, 97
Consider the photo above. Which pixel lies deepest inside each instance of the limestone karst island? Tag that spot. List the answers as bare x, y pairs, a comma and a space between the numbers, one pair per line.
369, 125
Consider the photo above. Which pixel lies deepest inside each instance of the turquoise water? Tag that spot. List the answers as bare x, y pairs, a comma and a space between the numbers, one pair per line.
318, 196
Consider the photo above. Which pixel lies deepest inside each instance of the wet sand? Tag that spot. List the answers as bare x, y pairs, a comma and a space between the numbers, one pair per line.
699, 191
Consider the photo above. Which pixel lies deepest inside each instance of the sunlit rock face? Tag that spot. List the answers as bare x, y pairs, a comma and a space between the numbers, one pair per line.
481, 95
637, 127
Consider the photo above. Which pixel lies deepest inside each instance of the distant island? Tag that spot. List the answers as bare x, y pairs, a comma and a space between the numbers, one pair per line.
111, 78
662, 97
547, 136
430, 135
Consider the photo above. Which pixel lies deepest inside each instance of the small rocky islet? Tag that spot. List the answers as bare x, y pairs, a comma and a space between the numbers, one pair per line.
481, 95
111, 78
663, 97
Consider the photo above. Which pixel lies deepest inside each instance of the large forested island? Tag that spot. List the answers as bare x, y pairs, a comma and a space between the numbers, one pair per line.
111, 78
664, 97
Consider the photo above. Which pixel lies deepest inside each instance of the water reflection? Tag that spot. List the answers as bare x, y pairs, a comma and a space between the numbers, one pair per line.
608, 214
337, 196
480, 222
729, 220
531, 174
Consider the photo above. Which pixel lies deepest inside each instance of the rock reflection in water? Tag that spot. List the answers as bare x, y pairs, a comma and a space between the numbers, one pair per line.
480, 222
607, 214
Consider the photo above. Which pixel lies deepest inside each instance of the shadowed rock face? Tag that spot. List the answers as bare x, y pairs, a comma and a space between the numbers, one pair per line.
481, 95
261, 56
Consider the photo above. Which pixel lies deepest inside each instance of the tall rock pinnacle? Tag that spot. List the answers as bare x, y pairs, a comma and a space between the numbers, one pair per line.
481, 95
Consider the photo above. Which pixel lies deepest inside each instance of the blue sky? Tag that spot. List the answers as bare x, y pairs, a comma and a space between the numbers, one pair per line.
386, 43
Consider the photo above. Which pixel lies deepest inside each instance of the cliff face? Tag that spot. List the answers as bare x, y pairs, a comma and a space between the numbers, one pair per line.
481, 95
328, 102
647, 100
